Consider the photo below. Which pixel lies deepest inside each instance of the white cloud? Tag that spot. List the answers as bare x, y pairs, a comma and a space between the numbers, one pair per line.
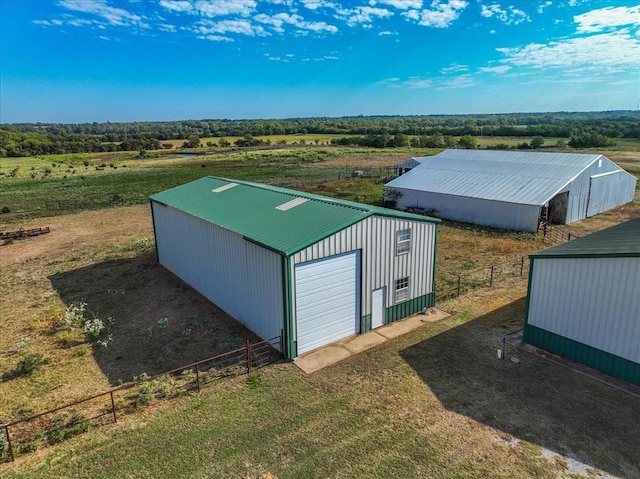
416, 83
48, 23
511, 16
112, 15
367, 15
277, 21
454, 68
242, 27
544, 5
603, 50
462, 81
165, 27
177, 5
441, 15
387, 33
399, 4
217, 8
499, 70
599, 20
215, 38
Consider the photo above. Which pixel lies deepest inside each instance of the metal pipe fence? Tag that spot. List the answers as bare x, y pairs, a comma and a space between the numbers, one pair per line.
55, 425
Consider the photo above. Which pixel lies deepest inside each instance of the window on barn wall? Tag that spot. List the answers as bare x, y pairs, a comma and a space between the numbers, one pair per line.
402, 289
403, 241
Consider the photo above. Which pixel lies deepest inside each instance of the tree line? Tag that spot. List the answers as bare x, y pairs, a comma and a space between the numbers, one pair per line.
582, 130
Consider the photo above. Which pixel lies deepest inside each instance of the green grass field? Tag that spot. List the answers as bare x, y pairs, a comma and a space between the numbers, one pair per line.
435, 403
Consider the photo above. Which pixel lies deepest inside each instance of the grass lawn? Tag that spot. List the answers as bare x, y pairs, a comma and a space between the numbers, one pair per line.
435, 403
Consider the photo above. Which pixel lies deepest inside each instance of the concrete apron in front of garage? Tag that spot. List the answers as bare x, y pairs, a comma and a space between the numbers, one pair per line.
335, 352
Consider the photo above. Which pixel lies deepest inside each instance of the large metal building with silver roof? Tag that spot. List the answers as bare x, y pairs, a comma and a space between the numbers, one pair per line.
514, 190
583, 301
282, 262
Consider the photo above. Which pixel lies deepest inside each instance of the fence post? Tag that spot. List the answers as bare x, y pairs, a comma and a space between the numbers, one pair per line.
569, 236
248, 356
113, 407
198, 376
458, 285
544, 230
6, 433
521, 265
491, 277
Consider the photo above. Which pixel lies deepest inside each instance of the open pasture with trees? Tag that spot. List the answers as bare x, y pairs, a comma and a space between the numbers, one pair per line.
85, 307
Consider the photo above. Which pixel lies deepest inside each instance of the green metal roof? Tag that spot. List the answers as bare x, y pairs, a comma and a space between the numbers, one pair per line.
250, 209
619, 240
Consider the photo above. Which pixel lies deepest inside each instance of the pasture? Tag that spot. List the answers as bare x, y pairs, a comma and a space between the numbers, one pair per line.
435, 403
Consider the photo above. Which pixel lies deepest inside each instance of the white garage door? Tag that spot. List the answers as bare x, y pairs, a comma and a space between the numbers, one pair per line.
327, 300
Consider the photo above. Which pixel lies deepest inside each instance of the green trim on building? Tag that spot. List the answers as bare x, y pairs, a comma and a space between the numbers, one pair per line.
407, 308
595, 358
619, 241
435, 258
290, 346
282, 220
365, 323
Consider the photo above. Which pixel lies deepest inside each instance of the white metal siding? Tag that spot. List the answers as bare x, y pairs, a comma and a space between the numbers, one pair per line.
610, 190
242, 278
327, 300
376, 238
513, 216
595, 301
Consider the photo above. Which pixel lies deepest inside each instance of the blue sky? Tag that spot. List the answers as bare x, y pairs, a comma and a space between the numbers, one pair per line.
72, 61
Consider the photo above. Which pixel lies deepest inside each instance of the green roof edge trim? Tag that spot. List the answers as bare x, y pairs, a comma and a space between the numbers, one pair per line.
362, 210
374, 210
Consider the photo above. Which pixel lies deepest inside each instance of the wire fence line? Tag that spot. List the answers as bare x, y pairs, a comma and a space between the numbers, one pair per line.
55, 425
458, 284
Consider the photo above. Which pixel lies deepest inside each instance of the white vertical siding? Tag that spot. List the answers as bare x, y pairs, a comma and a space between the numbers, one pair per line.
242, 278
595, 301
610, 190
376, 238
498, 214
582, 195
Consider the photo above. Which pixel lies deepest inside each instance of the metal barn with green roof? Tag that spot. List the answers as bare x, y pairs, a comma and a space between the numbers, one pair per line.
583, 301
311, 268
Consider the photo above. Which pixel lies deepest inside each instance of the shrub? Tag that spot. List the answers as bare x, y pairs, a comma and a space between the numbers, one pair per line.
66, 426
74, 315
30, 363
5, 209
93, 328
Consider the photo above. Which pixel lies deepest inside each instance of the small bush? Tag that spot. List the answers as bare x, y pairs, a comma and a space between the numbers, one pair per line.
161, 387
66, 426
74, 315
30, 363
93, 328
5, 209
25, 447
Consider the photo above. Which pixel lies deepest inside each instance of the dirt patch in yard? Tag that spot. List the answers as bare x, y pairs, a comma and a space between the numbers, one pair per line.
71, 232
105, 259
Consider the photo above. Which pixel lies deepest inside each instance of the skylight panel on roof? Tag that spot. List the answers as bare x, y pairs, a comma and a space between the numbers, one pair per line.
292, 204
222, 188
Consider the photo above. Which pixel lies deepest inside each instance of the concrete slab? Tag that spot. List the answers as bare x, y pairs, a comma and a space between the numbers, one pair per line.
363, 342
333, 353
321, 358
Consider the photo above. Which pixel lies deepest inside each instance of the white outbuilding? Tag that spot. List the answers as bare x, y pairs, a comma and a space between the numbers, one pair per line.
512, 189
583, 301
284, 263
